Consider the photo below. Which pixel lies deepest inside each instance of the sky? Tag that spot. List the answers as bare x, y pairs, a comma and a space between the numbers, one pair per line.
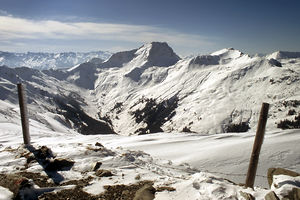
188, 26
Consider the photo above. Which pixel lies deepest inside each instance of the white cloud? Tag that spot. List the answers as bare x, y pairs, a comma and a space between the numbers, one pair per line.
18, 28
5, 13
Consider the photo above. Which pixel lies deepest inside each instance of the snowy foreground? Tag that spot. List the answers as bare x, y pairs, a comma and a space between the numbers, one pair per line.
196, 170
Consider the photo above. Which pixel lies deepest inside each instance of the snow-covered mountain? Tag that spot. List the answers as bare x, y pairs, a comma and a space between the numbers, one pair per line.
283, 55
150, 89
205, 94
44, 61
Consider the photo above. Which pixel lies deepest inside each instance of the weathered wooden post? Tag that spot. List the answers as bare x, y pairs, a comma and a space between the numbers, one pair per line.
24, 113
260, 132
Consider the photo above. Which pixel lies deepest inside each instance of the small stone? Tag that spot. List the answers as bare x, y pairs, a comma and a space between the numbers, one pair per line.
129, 157
165, 188
43, 153
97, 165
98, 144
247, 196
137, 177
59, 164
196, 185
103, 173
271, 196
145, 193
125, 192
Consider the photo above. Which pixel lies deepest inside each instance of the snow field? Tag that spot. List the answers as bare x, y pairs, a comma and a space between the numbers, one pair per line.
152, 157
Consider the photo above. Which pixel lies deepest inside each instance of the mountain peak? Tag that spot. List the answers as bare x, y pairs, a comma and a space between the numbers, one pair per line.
157, 54
151, 54
283, 55
228, 53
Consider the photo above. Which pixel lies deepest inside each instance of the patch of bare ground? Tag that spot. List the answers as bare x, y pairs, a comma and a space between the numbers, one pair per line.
113, 192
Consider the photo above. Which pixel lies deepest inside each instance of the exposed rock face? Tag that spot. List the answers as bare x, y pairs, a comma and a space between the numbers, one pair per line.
275, 62
161, 55
205, 60
154, 114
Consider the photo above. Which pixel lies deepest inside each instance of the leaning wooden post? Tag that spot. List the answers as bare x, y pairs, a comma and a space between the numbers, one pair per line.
24, 113
260, 132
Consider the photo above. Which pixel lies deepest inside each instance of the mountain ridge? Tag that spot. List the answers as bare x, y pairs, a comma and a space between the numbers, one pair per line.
283, 55
43, 60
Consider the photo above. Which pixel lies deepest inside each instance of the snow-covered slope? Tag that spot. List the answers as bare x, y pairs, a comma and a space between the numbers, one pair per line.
50, 101
225, 154
43, 61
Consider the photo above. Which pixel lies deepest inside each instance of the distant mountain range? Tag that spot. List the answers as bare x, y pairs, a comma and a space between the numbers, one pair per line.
151, 89
44, 61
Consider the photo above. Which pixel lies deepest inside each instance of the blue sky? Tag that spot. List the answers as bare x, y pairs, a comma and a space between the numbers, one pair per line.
189, 26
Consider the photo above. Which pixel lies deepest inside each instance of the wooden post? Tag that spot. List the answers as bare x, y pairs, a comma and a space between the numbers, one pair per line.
24, 113
260, 132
